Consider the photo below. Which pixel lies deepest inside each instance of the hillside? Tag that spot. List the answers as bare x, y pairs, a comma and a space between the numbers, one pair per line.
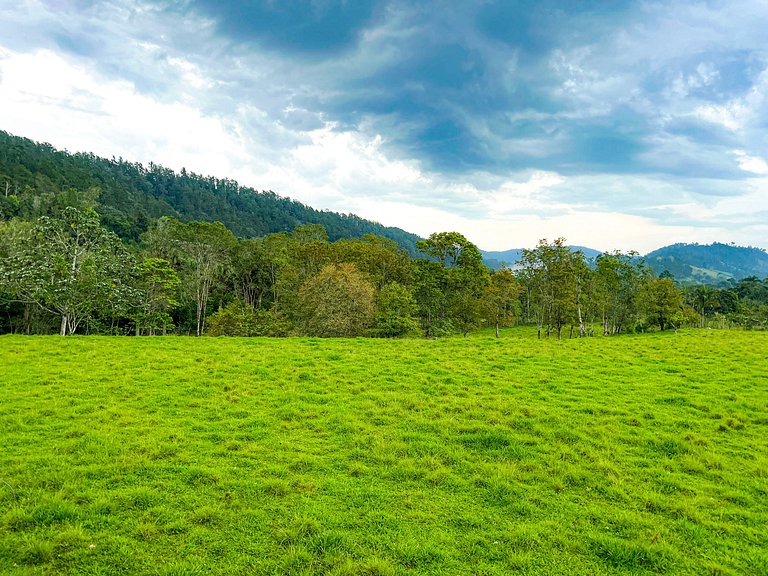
37, 179
709, 263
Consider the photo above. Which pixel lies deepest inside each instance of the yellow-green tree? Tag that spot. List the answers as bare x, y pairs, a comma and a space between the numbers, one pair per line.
338, 301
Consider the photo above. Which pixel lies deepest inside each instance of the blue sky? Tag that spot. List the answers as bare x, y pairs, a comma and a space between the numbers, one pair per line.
619, 125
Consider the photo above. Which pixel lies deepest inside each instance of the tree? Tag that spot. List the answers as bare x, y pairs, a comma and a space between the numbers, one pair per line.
618, 278
450, 287
71, 267
501, 298
338, 301
396, 310
250, 272
659, 299
556, 277
704, 299
202, 251
240, 319
160, 287
380, 258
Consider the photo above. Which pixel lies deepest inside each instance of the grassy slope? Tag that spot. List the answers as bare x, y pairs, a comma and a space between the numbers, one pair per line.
630, 455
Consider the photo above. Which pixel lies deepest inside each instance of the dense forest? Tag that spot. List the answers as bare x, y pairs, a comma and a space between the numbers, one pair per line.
107, 247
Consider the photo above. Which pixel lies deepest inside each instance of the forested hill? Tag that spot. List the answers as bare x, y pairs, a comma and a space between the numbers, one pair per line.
709, 263
37, 179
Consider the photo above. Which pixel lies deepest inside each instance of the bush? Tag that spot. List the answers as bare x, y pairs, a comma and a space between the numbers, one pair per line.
237, 319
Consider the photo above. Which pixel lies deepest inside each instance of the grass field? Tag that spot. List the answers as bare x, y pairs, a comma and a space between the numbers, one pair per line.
179, 456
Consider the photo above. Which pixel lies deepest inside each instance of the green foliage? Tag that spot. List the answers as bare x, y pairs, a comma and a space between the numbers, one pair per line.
450, 286
201, 250
618, 278
660, 301
337, 301
643, 454
71, 267
160, 286
395, 312
501, 298
555, 275
239, 319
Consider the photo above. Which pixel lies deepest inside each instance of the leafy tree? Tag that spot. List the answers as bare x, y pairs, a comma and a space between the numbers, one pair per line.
660, 300
556, 277
450, 287
240, 319
337, 301
160, 287
202, 251
430, 286
380, 258
618, 277
501, 298
251, 272
451, 250
396, 311
71, 267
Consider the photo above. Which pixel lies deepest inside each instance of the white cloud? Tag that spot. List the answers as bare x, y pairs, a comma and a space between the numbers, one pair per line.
107, 117
753, 164
731, 116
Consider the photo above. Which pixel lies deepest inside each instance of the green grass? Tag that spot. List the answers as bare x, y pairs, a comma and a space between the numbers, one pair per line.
182, 456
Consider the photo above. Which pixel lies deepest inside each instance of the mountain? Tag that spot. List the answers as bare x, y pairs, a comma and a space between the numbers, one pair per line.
37, 179
709, 263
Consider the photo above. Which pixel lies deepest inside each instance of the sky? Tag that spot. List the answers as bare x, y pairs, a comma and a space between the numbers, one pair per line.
617, 124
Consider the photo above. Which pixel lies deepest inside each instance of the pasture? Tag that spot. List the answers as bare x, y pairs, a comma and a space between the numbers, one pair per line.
643, 454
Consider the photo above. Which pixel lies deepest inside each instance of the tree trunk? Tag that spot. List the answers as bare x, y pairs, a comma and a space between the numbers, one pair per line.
497, 328
27, 327
63, 329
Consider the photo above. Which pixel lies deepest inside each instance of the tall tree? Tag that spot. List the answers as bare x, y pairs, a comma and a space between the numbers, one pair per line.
452, 285
202, 251
618, 277
556, 276
70, 266
501, 298
660, 300
396, 311
160, 287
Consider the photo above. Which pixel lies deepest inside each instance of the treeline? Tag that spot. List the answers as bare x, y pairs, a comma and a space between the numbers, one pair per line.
70, 274
38, 180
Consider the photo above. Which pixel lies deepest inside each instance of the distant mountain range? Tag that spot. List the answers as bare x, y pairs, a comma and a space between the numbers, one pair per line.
688, 263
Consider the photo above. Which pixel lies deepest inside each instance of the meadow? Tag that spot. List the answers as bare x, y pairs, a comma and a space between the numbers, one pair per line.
641, 454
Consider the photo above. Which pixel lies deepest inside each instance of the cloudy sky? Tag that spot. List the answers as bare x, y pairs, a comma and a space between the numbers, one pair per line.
617, 124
